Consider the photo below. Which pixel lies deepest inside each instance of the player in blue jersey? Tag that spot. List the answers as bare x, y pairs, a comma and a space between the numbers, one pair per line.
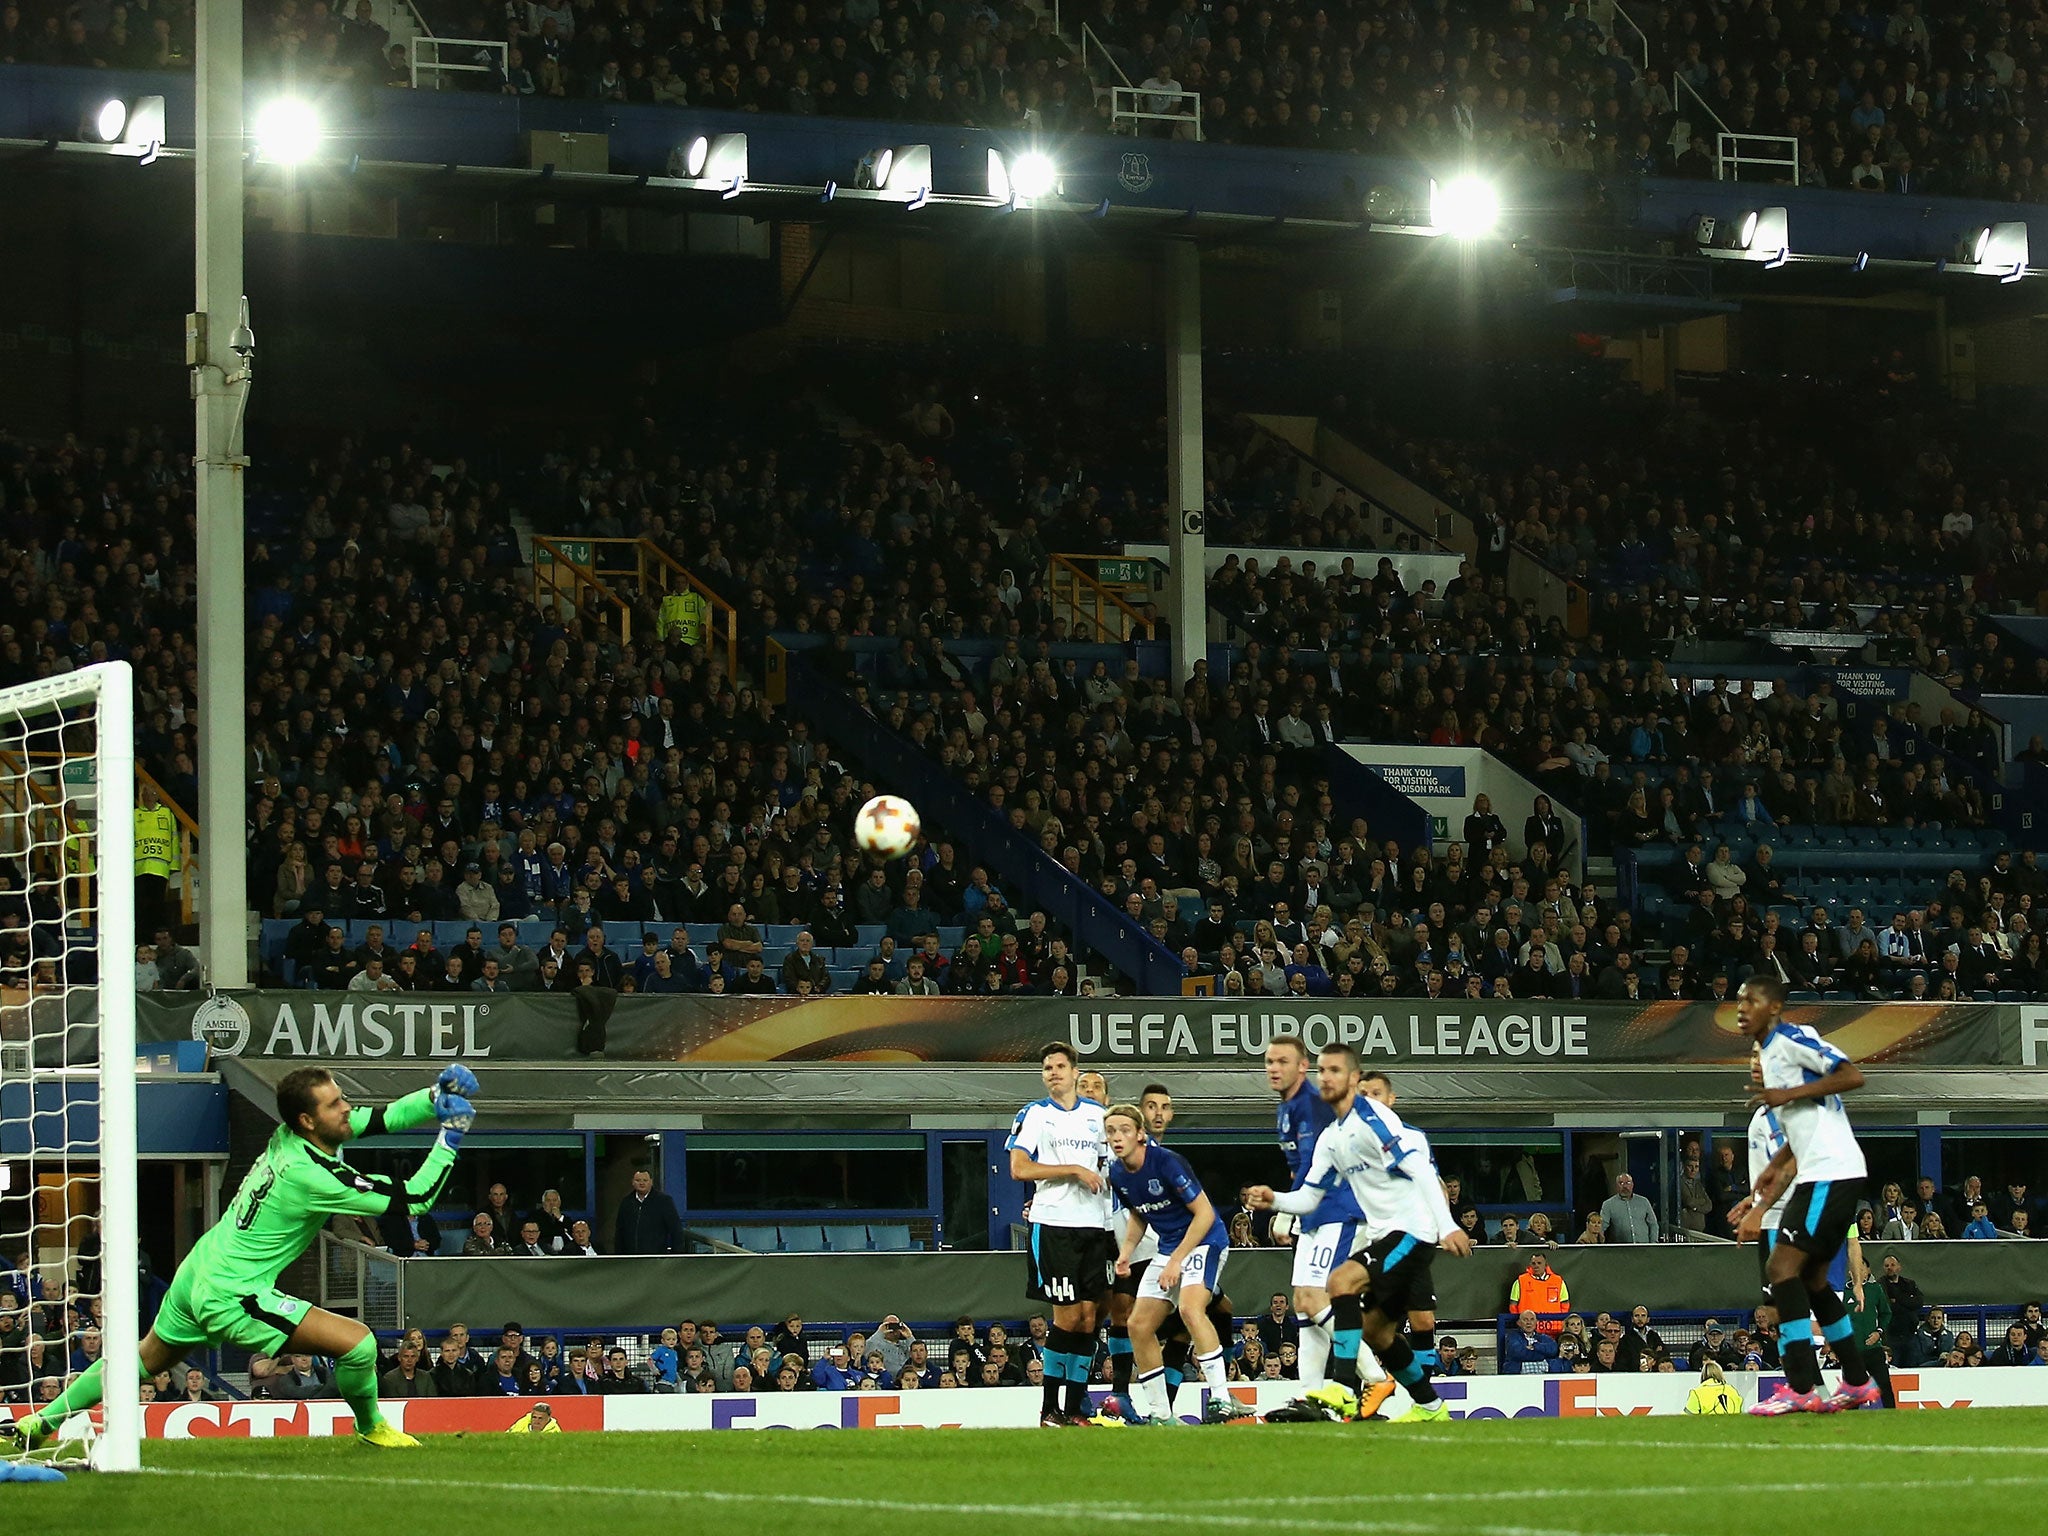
1157, 1105
1393, 1176
1323, 1239
1803, 1080
1162, 1196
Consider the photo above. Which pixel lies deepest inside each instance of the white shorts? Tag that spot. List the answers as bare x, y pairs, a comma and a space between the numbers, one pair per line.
1319, 1250
1203, 1267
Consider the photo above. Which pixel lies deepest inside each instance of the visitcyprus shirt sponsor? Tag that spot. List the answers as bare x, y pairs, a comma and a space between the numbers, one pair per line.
1048, 1134
1817, 1130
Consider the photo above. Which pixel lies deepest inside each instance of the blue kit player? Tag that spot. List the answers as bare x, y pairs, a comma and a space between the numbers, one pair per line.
1163, 1198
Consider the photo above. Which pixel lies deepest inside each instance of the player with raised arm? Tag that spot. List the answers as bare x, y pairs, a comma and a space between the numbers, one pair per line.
1056, 1143
1322, 1240
1803, 1080
1162, 1197
1393, 1177
225, 1291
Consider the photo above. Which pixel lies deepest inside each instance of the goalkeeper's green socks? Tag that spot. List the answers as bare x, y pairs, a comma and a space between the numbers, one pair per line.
83, 1393
355, 1377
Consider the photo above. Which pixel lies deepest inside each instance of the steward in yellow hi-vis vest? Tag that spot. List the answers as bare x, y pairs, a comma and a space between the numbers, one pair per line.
683, 615
156, 860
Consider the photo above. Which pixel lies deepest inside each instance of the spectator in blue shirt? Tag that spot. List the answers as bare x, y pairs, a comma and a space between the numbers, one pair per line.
830, 1374
665, 1361
1980, 1225
1530, 1351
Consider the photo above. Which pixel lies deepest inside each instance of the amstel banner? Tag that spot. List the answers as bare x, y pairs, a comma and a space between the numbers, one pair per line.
334, 1026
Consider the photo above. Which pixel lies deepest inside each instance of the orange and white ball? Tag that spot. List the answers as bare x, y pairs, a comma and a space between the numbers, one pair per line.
887, 825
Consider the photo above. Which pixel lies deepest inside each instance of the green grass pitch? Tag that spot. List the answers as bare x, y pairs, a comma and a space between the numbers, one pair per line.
1981, 1472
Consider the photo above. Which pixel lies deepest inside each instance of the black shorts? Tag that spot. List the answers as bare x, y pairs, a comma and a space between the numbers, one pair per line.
1819, 1216
1127, 1285
1398, 1279
1070, 1264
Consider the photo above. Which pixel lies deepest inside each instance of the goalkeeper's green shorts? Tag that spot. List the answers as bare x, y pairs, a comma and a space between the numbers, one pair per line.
195, 1314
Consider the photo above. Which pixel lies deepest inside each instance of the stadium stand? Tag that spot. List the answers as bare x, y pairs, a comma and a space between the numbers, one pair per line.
1905, 99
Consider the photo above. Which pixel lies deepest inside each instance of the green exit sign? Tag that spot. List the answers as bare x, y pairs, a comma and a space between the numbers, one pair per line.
1440, 827
1132, 572
575, 551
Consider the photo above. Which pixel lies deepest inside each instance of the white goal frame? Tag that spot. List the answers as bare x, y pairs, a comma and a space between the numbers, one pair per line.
108, 690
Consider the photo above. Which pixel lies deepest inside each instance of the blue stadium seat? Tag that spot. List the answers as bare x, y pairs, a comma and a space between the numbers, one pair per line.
846, 1239
702, 933
870, 934
804, 1240
885, 1238
952, 938
717, 1234
758, 1239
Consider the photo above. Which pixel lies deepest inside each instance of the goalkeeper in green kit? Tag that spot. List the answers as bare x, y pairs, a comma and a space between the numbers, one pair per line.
225, 1291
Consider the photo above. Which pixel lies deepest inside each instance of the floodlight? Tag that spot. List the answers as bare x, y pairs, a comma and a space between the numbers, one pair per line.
1033, 174
109, 121
288, 130
718, 157
896, 168
136, 122
1994, 250
1465, 207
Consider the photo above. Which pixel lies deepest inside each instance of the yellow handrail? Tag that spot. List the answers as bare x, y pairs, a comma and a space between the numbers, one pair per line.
655, 573
188, 845
22, 772
1100, 602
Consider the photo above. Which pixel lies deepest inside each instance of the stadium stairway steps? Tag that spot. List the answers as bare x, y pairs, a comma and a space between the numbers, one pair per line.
948, 809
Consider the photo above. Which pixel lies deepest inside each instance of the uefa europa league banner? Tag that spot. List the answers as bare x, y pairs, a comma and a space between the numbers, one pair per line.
328, 1026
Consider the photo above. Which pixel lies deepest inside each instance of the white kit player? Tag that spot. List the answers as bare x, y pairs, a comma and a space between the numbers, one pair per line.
1322, 1240
1393, 1177
1057, 1144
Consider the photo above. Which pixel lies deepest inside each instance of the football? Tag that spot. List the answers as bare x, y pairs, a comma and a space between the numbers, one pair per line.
887, 825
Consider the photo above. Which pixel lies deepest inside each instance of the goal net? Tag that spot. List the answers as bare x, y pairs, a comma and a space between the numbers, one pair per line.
69, 1249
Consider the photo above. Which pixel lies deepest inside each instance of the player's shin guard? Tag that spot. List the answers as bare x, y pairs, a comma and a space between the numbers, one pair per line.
1150, 1393
1120, 1358
355, 1377
1401, 1364
82, 1394
1840, 1332
1315, 1349
1057, 1350
1347, 1318
1795, 1334
1076, 1354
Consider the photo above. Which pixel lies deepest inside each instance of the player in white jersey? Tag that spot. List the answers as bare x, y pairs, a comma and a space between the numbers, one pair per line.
1803, 1080
1388, 1167
1766, 1140
1057, 1144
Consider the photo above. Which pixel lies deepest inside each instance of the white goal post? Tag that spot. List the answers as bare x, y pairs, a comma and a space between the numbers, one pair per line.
67, 1023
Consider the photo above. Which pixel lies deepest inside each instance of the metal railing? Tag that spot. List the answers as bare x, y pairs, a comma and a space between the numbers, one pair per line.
427, 58
631, 577
1628, 22
1075, 589
24, 797
1774, 155
1133, 105
362, 1282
